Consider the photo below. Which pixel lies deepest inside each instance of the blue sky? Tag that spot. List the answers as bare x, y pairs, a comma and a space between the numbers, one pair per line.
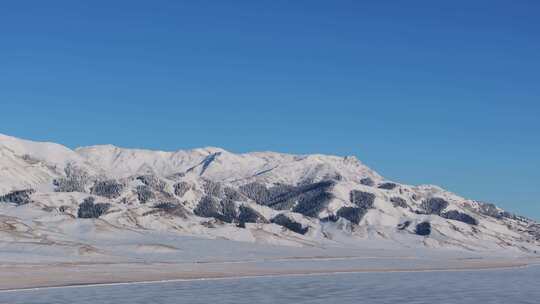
442, 92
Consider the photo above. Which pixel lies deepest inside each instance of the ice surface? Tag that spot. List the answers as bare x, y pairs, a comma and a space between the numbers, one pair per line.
464, 287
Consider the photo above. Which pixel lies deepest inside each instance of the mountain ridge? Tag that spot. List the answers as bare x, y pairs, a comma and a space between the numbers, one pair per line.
261, 197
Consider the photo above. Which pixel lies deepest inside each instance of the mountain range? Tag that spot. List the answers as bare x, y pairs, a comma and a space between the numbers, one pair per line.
54, 197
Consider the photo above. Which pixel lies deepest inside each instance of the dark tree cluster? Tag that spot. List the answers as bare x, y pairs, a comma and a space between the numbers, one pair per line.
404, 225
76, 180
287, 222
173, 209
224, 210
107, 188
250, 215
313, 202
256, 192
459, 216
144, 193
309, 199
18, 197
534, 231
423, 229
362, 199
233, 194
434, 205
398, 202
387, 186
353, 214
212, 188
367, 181
490, 210
181, 188
88, 209
153, 182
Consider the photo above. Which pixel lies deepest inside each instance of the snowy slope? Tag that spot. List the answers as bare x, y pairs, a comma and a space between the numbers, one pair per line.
261, 197
220, 165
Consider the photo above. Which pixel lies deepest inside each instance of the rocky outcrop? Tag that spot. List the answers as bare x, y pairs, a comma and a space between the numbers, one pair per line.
18, 197
459, 216
289, 223
107, 188
423, 229
88, 209
434, 205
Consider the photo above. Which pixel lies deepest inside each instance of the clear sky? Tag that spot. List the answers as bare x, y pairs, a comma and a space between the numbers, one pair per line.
442, 92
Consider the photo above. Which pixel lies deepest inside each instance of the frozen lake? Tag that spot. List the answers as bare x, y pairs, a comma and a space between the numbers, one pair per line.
483, 286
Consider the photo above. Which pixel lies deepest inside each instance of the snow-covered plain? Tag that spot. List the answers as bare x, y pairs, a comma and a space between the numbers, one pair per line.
211, 213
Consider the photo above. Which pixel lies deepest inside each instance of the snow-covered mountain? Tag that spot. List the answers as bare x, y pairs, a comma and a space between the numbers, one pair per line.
52, 195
